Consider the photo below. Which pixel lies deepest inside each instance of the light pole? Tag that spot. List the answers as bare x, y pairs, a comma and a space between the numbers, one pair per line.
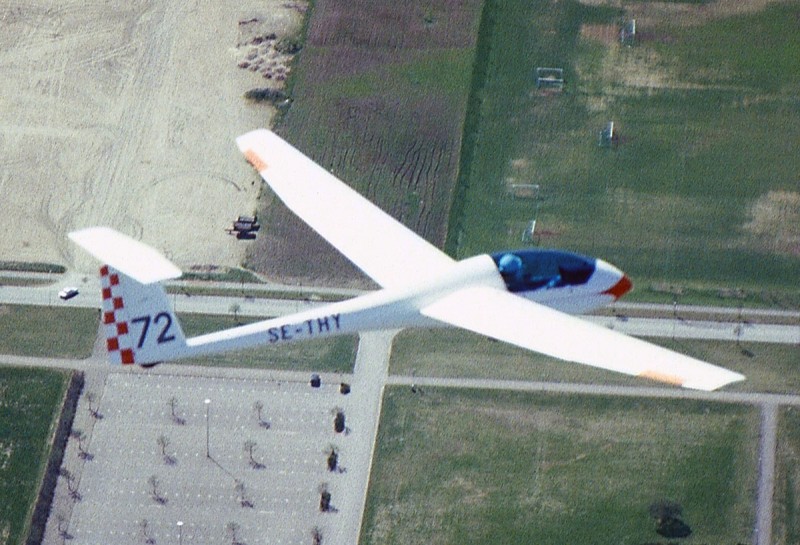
180, 532
208, 451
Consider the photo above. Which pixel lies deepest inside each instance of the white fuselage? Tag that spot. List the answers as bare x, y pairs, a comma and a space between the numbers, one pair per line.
397, 308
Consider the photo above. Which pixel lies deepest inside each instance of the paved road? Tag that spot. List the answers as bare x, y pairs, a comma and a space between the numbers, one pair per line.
762, 535
687, 310
369, 378
263, 307
702, 329
656, 392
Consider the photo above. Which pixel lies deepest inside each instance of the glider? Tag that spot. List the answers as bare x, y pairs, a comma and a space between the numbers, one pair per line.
520, 297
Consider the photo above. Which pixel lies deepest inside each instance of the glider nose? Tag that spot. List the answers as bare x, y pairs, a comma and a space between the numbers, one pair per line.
623, 286
616, 283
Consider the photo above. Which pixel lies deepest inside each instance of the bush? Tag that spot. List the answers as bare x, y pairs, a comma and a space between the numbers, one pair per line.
289, 46
265, 94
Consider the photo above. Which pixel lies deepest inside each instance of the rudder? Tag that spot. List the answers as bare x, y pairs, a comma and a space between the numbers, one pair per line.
140, 324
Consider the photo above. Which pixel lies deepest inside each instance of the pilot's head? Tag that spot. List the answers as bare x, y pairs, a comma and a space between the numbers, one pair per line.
510, 266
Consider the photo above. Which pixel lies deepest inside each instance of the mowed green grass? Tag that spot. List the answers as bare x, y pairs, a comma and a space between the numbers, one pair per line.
30, 401
47, 332
786, 528
457, 353
709, 119
59, 332
457, 466
332, 355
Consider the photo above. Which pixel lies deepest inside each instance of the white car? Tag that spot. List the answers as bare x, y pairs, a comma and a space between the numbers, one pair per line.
68, 293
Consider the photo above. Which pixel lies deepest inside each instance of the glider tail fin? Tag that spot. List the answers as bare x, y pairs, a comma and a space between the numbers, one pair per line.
140, 324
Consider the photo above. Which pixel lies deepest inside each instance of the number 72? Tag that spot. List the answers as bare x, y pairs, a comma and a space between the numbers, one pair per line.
164, 336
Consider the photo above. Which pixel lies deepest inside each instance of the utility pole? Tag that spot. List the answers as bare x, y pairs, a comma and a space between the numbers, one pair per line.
208, 450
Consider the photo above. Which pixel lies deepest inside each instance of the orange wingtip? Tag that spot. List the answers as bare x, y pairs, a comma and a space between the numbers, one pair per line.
662, 377
253, 158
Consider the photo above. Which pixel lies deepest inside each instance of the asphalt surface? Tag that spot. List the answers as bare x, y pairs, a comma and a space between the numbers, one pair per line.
682, 326
768, 441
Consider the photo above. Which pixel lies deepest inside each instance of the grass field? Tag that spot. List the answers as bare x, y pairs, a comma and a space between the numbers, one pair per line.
456, 353
488, 467
58, 332
333, 355
47, 332
786, 528
702, 189
30, 401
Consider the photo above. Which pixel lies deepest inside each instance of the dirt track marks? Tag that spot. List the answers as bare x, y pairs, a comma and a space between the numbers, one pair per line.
103, 103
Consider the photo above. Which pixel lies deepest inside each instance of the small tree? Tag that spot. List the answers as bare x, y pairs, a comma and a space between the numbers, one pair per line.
72, 485
258, 407
173, 402
324, 498
249, 447
233, 532
93, 411
61, 520
235, 308
664, 509
241, 495
163, 443
80, 437
144, 526
155, 493
333, 459
338, 421
668, 515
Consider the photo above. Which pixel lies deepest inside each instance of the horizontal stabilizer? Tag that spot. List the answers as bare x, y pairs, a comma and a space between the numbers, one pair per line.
129, 256
509, 318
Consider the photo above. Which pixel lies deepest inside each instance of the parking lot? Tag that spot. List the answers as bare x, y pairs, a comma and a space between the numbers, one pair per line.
149, 467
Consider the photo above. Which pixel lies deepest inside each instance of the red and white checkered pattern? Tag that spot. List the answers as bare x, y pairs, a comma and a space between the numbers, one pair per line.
118, 339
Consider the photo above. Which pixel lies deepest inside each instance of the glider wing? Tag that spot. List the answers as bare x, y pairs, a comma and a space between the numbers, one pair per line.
387, 251
509, 318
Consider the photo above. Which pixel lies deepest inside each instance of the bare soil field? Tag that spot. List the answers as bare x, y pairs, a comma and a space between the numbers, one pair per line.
776, 220
379, 99
124, 114
684, 13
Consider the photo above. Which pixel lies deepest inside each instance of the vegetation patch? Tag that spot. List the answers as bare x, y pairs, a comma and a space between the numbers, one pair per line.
220, 274
266, 94
456, 353
702, 293
704, 165
458, 466
248, 292
787, 480
775, 220
25, 266
47, 332
262, 51
30, 402
332, 355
